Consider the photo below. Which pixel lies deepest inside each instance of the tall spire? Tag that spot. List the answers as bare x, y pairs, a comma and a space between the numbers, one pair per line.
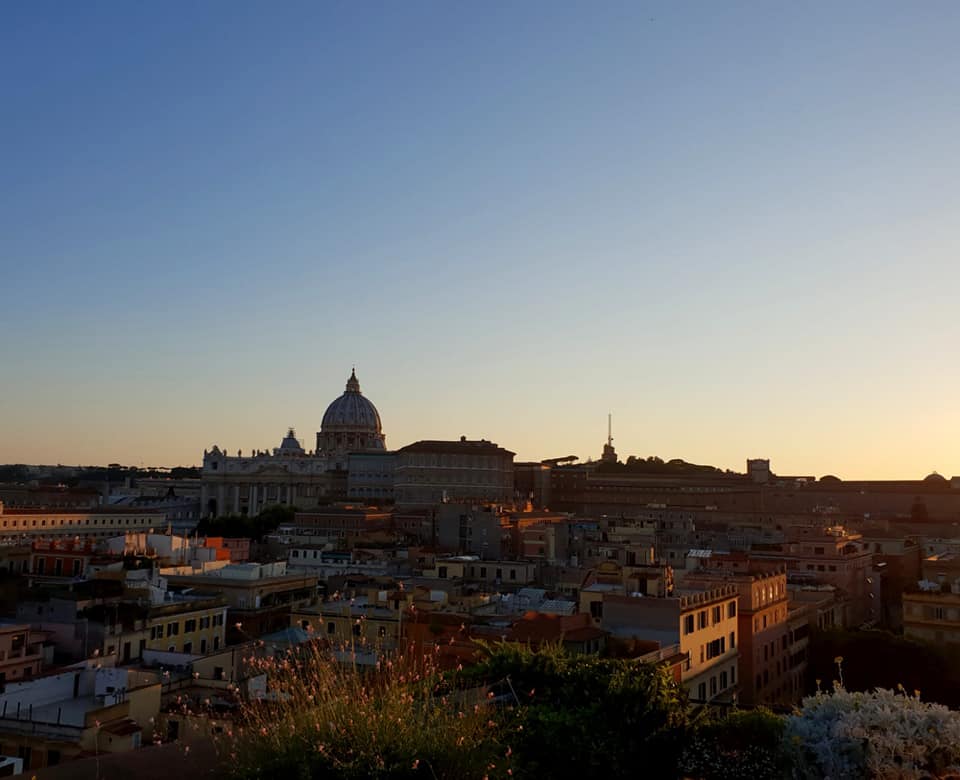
353, 384
609, 453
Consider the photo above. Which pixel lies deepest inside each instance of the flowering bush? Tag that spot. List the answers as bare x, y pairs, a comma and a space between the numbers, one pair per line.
880, 734
325, 719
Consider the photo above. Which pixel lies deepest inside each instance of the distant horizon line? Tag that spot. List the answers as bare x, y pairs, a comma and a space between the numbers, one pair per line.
588, 460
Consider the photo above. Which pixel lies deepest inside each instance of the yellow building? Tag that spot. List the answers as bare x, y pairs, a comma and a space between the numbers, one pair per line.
933, 615
377, 624
188, 625
702, 623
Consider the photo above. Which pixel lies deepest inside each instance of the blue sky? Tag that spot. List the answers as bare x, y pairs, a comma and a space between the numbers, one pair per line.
731, 225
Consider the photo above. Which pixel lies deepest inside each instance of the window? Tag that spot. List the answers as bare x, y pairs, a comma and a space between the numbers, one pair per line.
190, 626
702, 619
716, 615
216, 643
331, 627
713, 686
203, 646
702, 692
173, 629
716, 647
733, 639
732, 609
688, 624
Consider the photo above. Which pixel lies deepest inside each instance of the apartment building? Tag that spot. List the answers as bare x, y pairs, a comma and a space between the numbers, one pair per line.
259, 596
703, 623
21, 653
187, 624
81, 711
774, 638
25, 523
473, 569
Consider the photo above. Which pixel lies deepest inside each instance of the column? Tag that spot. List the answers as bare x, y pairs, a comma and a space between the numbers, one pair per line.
289, 494
251, 490
236, 499
254, 488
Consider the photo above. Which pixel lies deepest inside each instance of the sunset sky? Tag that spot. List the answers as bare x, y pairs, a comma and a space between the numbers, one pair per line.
735, 226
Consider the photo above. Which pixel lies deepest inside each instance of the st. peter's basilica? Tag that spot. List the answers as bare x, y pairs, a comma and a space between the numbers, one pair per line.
291, 475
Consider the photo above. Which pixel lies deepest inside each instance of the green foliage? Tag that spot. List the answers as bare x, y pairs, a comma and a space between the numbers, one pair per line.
243, 527
747, 744
655, 465
583, 716
552, 714
326, 720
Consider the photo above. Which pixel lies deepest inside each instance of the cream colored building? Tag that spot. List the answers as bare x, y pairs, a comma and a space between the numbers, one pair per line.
703, 623
26, 523
464, 471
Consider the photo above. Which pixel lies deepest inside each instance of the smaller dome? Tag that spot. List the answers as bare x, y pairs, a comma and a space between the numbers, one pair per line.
934, 477
290, 443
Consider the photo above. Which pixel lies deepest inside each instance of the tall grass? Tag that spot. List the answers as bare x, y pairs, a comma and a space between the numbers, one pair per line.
324, 718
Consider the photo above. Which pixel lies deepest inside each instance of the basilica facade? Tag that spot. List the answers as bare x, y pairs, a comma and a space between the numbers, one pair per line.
245, 484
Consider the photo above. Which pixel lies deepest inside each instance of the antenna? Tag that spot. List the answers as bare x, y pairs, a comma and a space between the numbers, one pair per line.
609, 429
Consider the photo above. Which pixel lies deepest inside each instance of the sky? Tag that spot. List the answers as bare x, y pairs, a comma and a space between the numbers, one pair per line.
731, 225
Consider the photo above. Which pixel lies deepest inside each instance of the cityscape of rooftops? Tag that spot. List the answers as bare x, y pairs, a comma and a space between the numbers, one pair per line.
502, 390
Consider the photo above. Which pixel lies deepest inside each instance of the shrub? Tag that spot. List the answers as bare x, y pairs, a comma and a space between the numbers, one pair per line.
324, 719
878, 734
583, 716
743, 744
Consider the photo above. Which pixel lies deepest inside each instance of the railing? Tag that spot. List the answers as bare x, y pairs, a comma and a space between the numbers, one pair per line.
662, 654
58, 731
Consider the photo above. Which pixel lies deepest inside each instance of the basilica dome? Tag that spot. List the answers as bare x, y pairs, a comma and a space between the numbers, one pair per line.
289, 445
351, 423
